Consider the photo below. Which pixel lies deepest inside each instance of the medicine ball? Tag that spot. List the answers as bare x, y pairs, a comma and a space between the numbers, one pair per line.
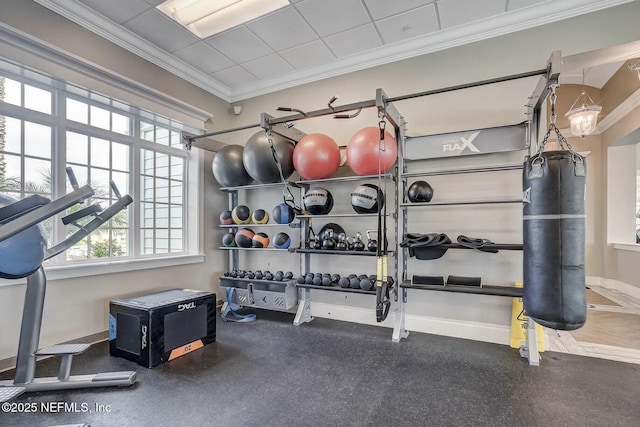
316, 156
225, 218
258, 159
318, 201
364, 199
366, 152
229, 240
281, 240
23, 253
283, 214
260, 216
241, 214
260, 240
323, 233
420, 192
228, 167
244, 238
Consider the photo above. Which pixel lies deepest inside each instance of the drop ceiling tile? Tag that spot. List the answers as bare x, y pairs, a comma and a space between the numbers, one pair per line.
283, 29
459, 12
518, 4
161, 30
154, 3
333, 16
354, 41
203, 57
118, 10
384, 8
234, 76
410, 24
267, 66
239, 45
308, 55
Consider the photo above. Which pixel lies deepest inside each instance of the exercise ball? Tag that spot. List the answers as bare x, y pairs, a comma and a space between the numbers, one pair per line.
228, 167
226, 218
258, 160
281, 240
241, 214
229, 240
260, 216
318, 201
23, 253
244, 238
283, 214
316, 156
260, 240
365, 149
420, 192
364, 199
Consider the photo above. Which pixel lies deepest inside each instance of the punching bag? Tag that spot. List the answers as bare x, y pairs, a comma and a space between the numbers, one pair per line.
554, 239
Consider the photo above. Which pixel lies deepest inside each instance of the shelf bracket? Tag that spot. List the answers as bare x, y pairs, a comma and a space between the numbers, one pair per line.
280, 128
529, 349
399, 331
303, 315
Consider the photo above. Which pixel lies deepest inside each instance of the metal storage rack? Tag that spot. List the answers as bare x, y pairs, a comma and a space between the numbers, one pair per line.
267, 294
303, 314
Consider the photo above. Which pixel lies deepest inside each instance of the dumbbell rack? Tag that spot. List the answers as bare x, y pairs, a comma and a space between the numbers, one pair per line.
257, 293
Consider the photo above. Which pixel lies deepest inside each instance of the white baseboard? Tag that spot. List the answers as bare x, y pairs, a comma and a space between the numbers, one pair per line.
366, 316
625, 288
486, 332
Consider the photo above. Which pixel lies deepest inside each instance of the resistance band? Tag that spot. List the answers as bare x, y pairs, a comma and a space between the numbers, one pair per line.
383, 303
229, 314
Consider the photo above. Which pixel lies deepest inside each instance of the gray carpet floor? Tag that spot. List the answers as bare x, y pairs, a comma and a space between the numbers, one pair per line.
330, 373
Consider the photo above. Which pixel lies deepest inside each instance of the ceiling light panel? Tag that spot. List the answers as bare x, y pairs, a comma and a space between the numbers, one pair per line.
206, 18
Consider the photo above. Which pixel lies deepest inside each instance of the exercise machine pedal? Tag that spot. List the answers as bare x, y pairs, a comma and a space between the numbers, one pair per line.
62, 349
10, 392
67, 351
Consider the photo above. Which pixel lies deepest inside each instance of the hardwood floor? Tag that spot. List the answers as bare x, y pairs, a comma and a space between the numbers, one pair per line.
612, 330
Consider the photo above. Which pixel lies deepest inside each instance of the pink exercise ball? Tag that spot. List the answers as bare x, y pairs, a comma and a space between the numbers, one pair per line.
316, 156
365, 147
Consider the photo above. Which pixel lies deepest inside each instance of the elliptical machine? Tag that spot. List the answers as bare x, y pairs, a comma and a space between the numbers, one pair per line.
24, 249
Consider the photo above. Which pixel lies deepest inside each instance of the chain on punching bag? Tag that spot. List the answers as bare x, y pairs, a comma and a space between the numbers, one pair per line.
554, 234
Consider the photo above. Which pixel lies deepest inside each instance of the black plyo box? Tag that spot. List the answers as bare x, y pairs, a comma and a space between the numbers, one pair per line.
156, 328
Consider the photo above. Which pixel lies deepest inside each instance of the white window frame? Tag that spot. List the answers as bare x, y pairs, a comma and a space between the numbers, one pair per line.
192, 203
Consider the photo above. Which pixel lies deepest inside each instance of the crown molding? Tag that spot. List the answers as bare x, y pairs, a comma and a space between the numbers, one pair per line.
621, 111
506, 23
129, 91
84, 16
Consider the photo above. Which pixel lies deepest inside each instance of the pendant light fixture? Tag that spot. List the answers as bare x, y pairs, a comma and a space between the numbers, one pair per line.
584, 117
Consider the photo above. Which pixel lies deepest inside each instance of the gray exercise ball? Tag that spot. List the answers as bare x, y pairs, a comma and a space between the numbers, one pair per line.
228, 168
258, 158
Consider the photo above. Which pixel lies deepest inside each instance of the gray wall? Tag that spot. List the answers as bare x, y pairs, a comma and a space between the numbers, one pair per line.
70, 300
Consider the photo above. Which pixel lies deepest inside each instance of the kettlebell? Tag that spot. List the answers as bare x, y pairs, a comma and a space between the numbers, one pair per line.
329, 242
317, 244
372, 244
358, 244
341, 244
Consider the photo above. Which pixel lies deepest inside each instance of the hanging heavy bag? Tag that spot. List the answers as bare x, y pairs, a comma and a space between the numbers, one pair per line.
554, 236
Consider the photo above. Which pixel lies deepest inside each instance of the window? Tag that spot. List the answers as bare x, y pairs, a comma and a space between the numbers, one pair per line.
44, 128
